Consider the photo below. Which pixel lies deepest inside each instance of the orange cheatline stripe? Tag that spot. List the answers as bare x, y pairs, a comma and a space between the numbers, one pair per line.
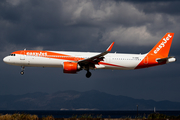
47, 54
103, 63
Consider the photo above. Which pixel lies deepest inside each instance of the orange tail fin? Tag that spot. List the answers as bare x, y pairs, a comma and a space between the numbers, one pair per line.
161, 49
159, 54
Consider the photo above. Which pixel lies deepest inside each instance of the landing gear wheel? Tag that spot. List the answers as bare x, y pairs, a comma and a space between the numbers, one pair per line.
88, 74
22, 72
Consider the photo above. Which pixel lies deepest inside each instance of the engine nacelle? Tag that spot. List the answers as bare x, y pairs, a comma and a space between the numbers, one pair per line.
70, 67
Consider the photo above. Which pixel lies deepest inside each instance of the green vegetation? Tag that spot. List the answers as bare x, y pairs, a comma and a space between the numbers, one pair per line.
86, 116
48, 118
161, 116
17, 116
153, 116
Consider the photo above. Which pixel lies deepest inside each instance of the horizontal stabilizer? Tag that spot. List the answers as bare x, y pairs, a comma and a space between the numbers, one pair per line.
167, 60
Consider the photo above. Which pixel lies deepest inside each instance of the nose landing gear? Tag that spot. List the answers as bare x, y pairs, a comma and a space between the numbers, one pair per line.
22, 70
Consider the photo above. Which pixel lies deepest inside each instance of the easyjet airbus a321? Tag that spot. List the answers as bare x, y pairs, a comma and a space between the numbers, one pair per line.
72, 62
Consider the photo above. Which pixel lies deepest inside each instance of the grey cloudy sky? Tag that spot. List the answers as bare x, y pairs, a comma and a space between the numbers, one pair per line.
90, 25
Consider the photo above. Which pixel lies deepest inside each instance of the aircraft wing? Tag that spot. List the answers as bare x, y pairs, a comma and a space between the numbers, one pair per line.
95, 59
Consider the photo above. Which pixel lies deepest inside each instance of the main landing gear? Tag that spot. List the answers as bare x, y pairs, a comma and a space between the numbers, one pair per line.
88, 74
22, 70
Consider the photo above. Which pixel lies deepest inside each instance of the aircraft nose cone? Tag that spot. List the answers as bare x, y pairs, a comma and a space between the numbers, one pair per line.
5, 60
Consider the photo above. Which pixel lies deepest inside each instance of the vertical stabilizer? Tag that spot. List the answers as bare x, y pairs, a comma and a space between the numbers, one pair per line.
161, 49
159, 54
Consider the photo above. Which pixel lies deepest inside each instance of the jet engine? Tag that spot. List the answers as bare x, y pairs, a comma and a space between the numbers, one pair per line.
71, 67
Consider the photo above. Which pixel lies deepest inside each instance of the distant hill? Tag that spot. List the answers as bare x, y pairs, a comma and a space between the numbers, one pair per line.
73, 100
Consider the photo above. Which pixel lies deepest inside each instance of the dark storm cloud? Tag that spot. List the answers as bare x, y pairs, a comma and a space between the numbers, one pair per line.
29, 21
149, 1
90, 25
168, 7
35, 23
32, 23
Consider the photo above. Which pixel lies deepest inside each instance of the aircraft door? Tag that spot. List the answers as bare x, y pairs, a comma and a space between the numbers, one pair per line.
22, 55
107, 59
146, 60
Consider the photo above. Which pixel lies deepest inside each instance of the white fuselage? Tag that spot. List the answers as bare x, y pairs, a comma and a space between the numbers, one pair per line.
111, 60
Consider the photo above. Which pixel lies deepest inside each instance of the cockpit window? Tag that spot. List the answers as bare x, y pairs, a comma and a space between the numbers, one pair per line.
12, 54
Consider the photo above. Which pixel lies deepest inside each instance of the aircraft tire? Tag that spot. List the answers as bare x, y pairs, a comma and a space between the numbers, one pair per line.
88, 74
22, 72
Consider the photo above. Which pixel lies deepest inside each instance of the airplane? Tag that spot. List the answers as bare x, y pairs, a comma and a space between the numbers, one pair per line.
73, 62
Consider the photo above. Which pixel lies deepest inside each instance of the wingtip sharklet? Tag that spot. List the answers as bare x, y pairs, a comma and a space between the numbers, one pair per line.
110, 47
